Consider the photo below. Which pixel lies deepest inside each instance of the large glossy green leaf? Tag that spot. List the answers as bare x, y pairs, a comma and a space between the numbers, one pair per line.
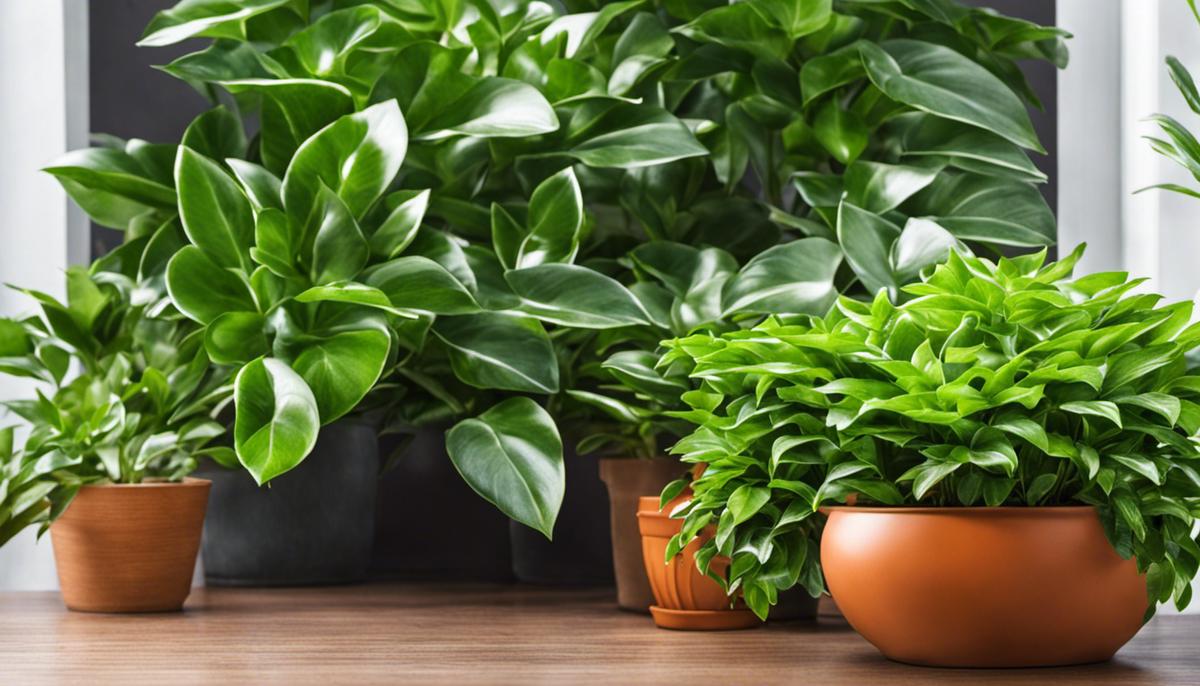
878, 187
842, 132
356, 157
494, 108
493, 350
797, 17
211, 18
215, 213
739, 26
969, 148
400, 228
277, 422
292, 111
794, 277
261, 187
339, 249
323, 48
419, 283
555, 222
204, 290
512, 456
113, 172
938, 80
236, 337
631, 136
575, 296
866, 239
341, 368
993, 210
216, 134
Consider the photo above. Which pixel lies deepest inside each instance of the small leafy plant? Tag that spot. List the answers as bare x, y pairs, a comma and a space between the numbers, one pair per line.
131, 398
993, 384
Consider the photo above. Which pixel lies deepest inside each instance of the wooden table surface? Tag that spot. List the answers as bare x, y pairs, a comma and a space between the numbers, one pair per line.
475, 634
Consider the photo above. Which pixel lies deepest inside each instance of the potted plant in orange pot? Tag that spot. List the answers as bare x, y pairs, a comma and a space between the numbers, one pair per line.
106, 461
1018, 443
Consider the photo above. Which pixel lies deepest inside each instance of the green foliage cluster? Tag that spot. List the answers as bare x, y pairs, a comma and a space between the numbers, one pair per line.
130, 397
997, 384
441, 210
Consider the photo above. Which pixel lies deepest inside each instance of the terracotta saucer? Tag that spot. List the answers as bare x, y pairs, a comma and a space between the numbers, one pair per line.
703, 620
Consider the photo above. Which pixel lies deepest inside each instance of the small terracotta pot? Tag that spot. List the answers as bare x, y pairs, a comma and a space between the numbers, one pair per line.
980, 586
130, 547
627, 480
684, 598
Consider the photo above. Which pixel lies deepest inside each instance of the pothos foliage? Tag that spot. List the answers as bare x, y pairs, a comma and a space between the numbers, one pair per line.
997, 384
449, 206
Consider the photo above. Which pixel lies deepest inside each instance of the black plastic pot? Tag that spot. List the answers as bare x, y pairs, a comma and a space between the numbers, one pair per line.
430, 525
313, 525
581, 552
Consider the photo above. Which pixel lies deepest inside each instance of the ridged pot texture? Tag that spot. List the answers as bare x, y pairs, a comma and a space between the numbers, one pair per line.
982, 587
130, 547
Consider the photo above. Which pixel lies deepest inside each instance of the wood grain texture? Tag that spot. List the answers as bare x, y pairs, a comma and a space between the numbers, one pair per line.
484, 635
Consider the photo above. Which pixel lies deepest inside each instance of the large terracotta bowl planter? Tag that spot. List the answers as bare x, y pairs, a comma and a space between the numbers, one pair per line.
628, 480
130, 547
684, 598
982, 587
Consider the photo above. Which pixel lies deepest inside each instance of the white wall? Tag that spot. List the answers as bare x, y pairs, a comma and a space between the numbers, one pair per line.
43, 113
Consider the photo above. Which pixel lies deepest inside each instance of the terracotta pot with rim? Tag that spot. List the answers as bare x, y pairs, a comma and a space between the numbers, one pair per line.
684, 598
130, 547
628, 480
981, 586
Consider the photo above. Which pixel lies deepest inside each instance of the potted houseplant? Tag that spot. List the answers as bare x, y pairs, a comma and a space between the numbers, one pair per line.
1017, 442
105, 465
535, 96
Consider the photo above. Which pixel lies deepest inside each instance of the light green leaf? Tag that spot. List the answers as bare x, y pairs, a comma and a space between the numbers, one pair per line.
512, 456
277, 421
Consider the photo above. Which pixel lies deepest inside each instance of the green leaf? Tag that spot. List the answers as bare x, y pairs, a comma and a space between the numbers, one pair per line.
793, 277
210, 18
203, 290
1096, 408
494, 108
215, 213
841, 132
512, 456
798, 17
236, 337
555, 222
292, 111
277, 420
938, 80
216, 134
878, 187
493, 350
356, 157
740, 27
419, 283
341, 368
339, 250
575, 296
992, 210
353, 293
631, 136
400, 228
867, 240
746, 501
261, 187
969, 148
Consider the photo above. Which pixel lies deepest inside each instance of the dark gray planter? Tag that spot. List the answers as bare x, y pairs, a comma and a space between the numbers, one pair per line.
581, 552
313, 525
458, 536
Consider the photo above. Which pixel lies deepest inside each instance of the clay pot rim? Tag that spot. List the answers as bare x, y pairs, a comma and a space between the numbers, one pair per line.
960, 510
187, 482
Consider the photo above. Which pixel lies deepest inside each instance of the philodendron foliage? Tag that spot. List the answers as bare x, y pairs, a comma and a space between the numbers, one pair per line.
129, 397
453, 203
997, 384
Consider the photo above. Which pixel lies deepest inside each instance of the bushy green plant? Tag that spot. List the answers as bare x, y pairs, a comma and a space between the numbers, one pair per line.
130, 398
540, 146
997, 384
